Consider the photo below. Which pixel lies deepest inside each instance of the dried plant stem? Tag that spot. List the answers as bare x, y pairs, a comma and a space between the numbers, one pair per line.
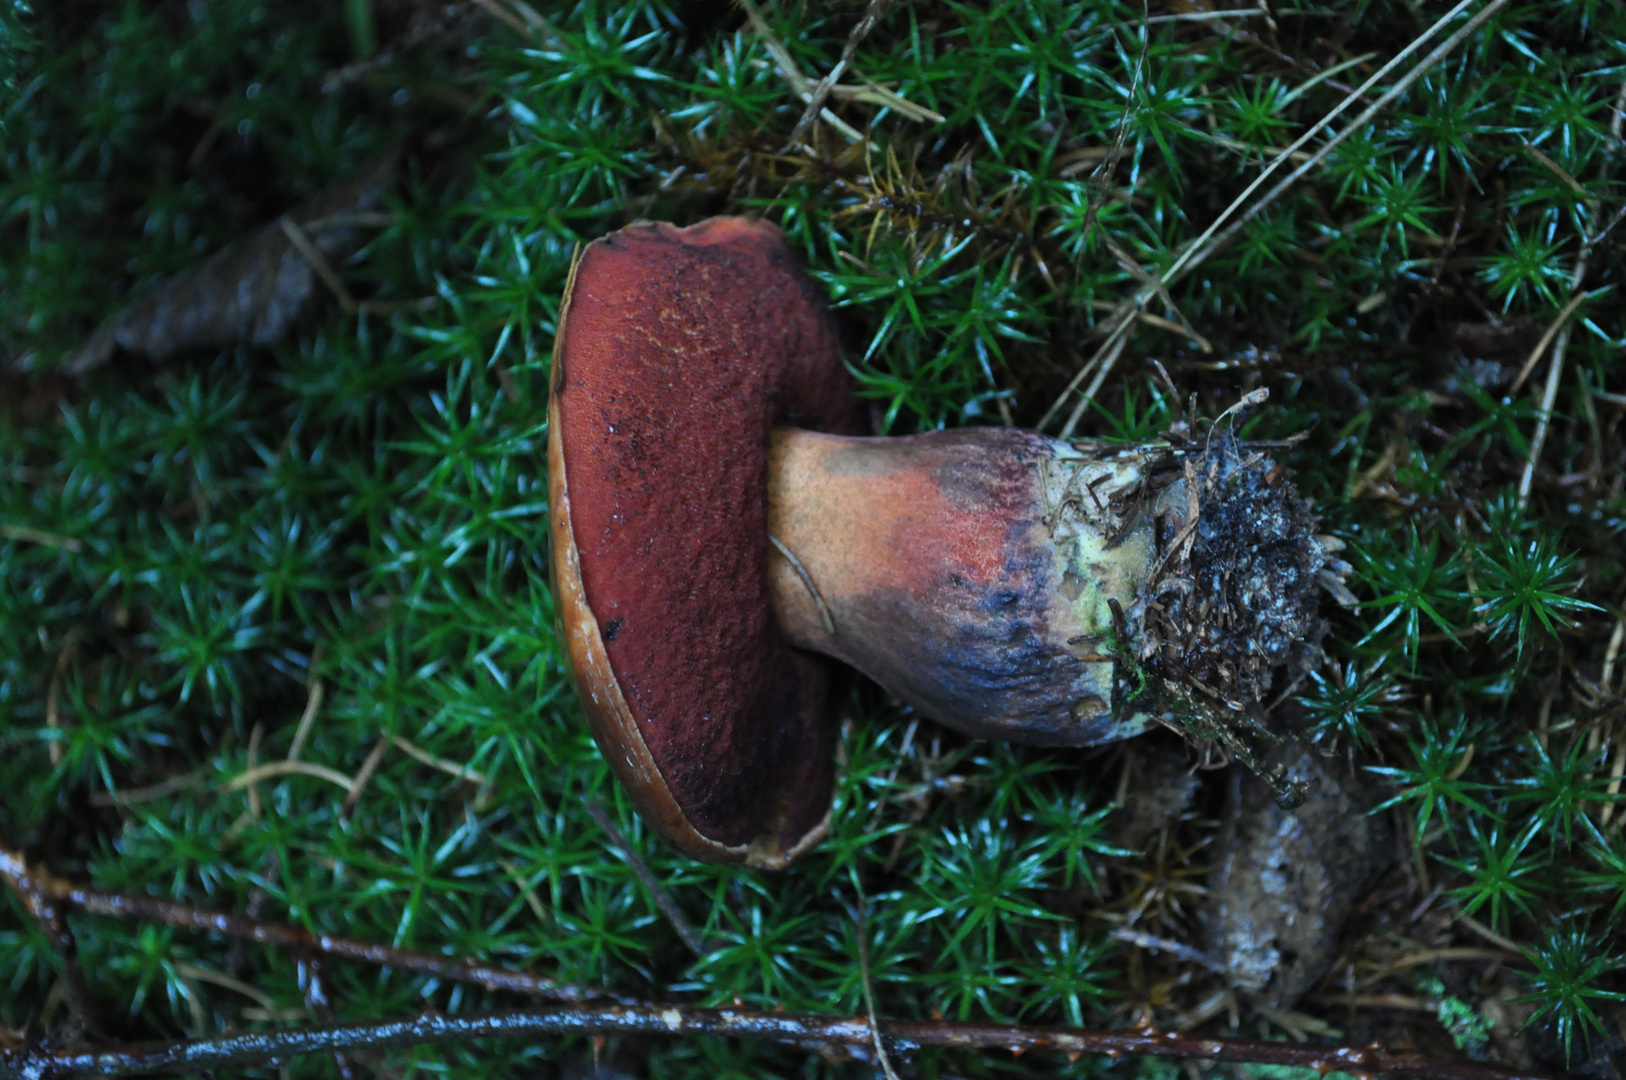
318, 262
37, 1062
821, 92
799, 83
1105, 358
1555, 370
862, 918
663, 899
48, 914
1546, 339
1214, 237
30, 882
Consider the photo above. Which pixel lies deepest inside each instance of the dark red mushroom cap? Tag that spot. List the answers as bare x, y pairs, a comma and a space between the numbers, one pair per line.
677, 353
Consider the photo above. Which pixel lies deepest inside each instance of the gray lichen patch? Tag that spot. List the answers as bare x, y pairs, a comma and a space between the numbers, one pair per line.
1286, 880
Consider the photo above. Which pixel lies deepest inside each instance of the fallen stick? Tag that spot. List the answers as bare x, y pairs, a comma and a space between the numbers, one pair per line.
42, 1061
38, 1062
28, 881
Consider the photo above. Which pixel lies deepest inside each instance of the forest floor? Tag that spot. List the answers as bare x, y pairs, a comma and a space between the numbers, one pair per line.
276, 635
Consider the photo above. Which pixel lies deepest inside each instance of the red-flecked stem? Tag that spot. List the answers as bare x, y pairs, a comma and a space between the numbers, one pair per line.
39, 1063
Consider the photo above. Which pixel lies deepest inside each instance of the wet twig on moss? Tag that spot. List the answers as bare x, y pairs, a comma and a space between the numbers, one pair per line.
38, 1062
857, 1034
48, 914
30, 883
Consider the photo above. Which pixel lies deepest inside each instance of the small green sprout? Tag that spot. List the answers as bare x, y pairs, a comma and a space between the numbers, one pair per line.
1568, 963
1564, 787
1413, 584
1499, 873
1524, 584
1346, 703
1434, 781
1466, 1025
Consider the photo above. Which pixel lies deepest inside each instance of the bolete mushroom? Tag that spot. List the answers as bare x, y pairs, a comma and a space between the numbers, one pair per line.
724, 533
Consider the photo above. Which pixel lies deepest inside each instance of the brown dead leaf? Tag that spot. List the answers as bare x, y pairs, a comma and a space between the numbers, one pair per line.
256, 290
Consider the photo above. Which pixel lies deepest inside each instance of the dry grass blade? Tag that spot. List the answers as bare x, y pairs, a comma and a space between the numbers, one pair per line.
862, 919
800, 84
352, 797
25, 535
816, 99
273, 769
1212, 238
313, 705
1555, 371
451, 768
1197, 252
150, 793
1546, 339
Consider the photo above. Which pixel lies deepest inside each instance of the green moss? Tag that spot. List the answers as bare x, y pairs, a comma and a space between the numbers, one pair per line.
190, 547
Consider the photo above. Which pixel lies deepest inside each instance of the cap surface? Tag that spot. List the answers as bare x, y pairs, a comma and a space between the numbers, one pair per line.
678, 351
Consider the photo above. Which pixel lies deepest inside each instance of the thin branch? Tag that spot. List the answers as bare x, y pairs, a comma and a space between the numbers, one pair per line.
663, 900
34, 1061
38, 1062
25, 879
50, 918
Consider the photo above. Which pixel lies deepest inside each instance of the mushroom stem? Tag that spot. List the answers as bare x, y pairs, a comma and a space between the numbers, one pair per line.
1008, 584
1015, 586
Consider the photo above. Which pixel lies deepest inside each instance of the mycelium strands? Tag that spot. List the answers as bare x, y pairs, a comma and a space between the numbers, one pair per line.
1019, 587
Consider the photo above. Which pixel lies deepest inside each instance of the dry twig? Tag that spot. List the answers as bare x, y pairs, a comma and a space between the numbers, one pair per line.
39, 1062
28, 881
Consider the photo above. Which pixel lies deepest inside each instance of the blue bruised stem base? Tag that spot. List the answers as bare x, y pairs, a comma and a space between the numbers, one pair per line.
1014, 586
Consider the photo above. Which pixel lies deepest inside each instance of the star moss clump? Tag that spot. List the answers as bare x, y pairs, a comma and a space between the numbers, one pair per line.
322, 558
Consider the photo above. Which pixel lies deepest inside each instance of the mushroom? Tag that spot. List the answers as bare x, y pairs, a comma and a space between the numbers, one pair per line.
727, 541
